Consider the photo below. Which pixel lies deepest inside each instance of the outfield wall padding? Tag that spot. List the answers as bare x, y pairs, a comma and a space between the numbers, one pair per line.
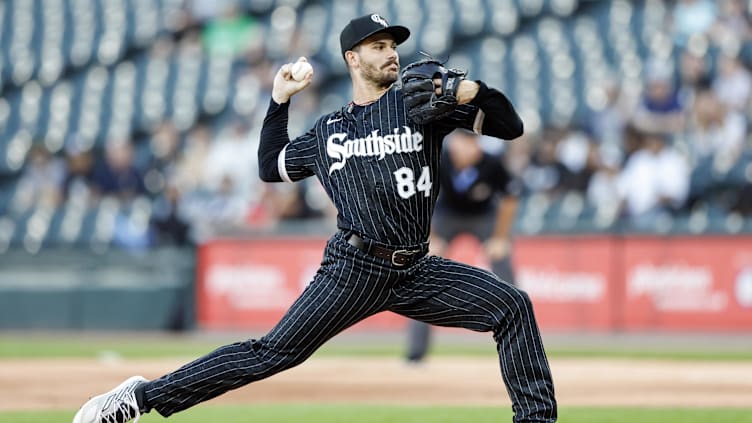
78, 289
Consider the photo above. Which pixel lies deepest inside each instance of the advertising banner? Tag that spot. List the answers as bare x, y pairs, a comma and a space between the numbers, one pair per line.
571, 281
688, 283
592, 283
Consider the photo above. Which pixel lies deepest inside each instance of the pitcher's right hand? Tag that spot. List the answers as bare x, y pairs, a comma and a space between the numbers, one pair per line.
285, 86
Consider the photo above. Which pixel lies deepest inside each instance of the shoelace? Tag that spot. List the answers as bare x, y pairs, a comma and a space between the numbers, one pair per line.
122, 414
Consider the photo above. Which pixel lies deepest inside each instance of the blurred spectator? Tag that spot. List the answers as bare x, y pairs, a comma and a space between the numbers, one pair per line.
132, 231
164, 149
732, 24
660, 109
714, 131
117, 174
694, 73
733, 84
215, 211
41, 181
575, 152
231, 162
607, 120
229, 34
191, 164
545, 173
655, 180
79, 177
603, 187
168, 218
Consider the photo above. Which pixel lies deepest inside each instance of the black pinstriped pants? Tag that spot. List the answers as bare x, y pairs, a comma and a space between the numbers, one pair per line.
350, 286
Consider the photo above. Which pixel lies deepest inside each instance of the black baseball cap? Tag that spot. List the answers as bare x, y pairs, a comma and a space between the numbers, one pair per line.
363, 27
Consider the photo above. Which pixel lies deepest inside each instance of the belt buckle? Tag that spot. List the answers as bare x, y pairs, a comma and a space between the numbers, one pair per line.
407, 253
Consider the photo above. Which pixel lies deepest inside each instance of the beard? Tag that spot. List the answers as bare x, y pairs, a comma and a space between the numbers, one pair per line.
382, 77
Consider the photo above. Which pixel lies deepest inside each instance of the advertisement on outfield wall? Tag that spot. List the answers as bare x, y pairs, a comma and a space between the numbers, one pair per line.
688, 283
590, 283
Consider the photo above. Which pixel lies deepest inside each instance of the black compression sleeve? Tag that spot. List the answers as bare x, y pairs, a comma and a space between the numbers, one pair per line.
274, 138
501, 119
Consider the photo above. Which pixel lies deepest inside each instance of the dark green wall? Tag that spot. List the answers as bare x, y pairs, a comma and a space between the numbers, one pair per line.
79, 289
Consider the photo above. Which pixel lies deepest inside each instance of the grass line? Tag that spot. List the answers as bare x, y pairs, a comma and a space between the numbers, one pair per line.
346, 413
163, 347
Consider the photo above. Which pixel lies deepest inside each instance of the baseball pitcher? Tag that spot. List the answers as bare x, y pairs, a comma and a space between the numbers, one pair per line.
377, 158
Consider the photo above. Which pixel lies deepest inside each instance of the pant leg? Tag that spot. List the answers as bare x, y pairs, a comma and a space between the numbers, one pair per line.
347, 288
446, 293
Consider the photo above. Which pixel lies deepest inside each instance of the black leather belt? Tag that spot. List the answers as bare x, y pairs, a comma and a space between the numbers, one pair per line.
398, 258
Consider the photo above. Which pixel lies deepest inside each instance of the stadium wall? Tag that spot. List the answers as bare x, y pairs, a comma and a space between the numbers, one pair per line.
77, 289
594, 283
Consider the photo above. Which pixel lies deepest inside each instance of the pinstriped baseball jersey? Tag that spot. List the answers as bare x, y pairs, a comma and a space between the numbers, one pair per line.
379, 169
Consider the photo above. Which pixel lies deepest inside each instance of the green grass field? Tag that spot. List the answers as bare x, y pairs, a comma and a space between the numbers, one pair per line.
190, 347
398, 414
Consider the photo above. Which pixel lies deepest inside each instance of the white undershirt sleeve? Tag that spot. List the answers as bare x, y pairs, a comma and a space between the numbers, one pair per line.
281, 166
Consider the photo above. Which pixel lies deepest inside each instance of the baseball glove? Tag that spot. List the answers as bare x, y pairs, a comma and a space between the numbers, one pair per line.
418, 90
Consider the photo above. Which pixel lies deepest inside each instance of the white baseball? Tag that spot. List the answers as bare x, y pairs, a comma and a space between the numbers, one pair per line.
300, 69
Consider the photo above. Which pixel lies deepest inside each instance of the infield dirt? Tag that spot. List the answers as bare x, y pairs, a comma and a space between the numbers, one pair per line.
66, 383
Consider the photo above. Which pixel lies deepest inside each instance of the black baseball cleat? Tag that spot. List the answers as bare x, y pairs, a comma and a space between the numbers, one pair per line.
117, 406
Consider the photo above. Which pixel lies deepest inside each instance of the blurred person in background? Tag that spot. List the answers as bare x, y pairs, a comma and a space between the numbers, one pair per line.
479, 197
694, 73
41, 180
733, 22
230, 33
191, 162
171, 225
164, 147
660, 110
715, 131
216, 211
117, 175
653, 182
545, 173
575, 151
603, 188
79, 177
733, 83
230, 166
607, 120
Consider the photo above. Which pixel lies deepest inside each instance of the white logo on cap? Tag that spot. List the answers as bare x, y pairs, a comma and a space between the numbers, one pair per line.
379, 20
